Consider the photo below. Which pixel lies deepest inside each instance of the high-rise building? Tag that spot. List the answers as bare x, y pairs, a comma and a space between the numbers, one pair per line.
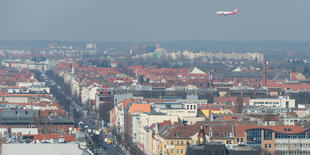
91, 46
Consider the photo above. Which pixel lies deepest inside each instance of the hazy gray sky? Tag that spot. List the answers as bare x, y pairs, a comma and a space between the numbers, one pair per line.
154, 20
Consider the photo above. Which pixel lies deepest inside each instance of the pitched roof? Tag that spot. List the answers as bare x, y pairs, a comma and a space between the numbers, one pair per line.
295, 76
181, 131
197, 71
237, 69
139, 107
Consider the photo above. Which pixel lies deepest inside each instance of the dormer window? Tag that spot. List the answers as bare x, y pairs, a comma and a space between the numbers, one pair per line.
178, 135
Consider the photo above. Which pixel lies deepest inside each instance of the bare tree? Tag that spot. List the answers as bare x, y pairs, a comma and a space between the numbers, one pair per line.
239, 105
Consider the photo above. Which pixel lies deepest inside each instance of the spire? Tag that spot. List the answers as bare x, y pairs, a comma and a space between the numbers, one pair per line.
201, 136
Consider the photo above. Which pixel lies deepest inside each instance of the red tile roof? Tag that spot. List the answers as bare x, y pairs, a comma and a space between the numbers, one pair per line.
40, 137
293, 86
182, 131
139, 107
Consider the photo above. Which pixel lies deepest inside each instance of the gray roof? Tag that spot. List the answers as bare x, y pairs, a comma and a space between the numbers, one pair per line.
38, 149
21, 116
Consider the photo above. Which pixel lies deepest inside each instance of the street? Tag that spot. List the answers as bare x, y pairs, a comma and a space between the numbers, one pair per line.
78, 112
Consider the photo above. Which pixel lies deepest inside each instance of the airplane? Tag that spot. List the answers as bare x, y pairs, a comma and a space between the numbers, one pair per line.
226, 13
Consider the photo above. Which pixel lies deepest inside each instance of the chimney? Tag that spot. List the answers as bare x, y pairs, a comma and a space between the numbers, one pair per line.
210, 132
264, 74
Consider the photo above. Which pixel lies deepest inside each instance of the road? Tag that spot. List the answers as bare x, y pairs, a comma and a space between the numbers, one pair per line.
80, 112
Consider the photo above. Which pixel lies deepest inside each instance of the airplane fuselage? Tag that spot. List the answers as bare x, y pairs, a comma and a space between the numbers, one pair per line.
226, 12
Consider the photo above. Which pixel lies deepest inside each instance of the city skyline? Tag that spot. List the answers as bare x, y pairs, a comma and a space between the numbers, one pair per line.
146, 77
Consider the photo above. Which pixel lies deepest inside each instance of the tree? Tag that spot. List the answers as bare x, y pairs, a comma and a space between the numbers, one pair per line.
141, 78
306, 70
239, 105
159, 66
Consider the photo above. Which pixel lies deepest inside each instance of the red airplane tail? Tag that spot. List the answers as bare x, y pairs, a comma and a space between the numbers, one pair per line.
235, 10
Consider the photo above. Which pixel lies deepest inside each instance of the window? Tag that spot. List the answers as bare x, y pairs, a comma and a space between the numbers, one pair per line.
167, 151
285, 129
167, 142
267, 135
28, 137
265, 145
56, 130
286, 104
105, 98
269, 145
178, 134
171, 142
178, 143
254, 138
182, 142
181, 151
222, 153
237, 139
171, 151
289, 129
241, 139
234, 117
178, 151
187, 142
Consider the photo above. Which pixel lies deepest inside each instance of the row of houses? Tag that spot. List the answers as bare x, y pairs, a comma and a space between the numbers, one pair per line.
30, 117
171, 126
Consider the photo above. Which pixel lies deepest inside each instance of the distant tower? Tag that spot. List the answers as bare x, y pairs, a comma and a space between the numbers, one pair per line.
264, 74
91, 46
130, 51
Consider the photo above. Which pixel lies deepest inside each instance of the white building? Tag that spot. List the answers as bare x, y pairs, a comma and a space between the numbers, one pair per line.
89, 92
32, 131
282, 102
